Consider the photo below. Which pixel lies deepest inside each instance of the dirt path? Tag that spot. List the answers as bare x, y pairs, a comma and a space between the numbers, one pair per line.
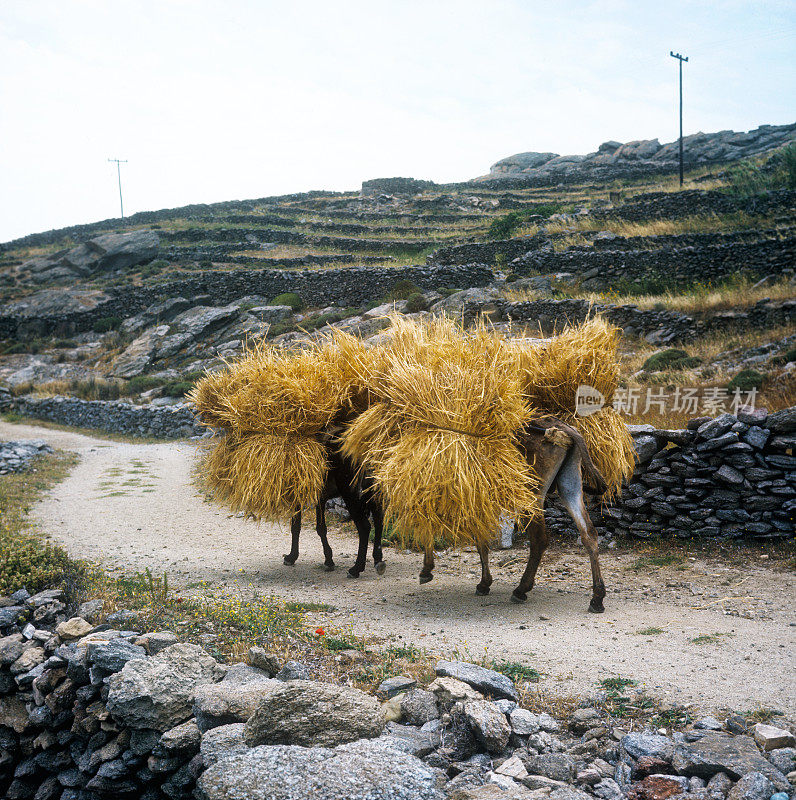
132, 506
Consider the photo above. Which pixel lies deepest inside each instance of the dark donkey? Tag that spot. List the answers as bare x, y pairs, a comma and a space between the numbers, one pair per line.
361, 503
557, 452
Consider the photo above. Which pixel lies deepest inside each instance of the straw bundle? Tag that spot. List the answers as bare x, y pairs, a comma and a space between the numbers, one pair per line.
273, 406
586, 354
440, 440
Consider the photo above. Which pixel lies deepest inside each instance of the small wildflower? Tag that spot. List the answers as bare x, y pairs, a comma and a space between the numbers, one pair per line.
320, 632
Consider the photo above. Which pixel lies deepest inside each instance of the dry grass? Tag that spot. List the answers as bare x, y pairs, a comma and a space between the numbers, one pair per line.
701, 223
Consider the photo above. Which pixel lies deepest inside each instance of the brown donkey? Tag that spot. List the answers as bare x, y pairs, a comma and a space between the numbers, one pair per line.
557, 453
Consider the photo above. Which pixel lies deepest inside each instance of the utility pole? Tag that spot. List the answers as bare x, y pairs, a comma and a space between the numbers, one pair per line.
124, 161
680, 59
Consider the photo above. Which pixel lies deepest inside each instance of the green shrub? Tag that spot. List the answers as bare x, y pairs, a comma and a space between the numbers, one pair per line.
447, 291
105, 324
416, 302
504, 226
288, 299
756, 175
142, 383
512, 277
670, 359
403, 290
746, 380
177, 388
786, 357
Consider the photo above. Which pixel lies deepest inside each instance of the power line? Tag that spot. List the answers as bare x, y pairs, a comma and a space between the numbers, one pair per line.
119, 161
680, 59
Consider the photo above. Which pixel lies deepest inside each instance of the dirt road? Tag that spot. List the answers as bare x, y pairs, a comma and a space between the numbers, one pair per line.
726, 632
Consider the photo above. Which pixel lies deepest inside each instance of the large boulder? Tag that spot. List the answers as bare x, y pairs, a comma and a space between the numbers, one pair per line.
358, 771
309, 713
718, 752
158, 692
138, 355
234, 699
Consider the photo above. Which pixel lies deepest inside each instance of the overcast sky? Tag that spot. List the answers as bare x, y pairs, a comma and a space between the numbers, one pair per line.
230, 99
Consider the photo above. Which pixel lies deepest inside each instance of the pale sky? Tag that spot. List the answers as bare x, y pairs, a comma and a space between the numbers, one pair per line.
213, 101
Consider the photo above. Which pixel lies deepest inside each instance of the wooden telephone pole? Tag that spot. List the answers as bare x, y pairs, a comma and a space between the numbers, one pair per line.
124, 161
680, 59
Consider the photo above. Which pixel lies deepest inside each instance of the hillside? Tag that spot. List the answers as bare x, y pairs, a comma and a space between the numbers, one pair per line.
138, 307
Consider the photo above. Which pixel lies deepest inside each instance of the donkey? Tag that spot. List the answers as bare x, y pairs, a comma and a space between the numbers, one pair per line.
360, 501
557, 452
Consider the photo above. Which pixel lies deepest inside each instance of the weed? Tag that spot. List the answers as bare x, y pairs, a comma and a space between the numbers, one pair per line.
653, 631
288, 299
416, 302
709, 638
403, 290
763, 714
105, 324
516, 671
670, 359
408, 652
305, 607
746, 380
663, 560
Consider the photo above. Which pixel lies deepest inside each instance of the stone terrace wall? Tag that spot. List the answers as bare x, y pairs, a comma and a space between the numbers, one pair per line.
346, 287
683, 265
725, 478
162, 422
486, 252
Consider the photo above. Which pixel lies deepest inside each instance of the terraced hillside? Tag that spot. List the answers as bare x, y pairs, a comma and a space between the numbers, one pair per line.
701, 280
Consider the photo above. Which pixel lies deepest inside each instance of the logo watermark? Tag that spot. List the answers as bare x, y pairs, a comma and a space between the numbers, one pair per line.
710, 400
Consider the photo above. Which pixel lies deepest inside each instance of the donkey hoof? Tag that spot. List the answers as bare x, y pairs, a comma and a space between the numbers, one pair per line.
329, 567
481, 590
289, 561
381, 567
596, 607
353, 573
426, 578
519, 597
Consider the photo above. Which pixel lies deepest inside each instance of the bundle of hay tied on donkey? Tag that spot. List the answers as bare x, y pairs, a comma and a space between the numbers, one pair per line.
446, 430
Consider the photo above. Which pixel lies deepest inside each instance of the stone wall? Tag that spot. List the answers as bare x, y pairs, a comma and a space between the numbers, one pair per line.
486, 252
730, 477
162, 422
353, 286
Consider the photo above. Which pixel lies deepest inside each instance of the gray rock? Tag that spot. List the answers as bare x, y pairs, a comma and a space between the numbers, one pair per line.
309, 713
523, 722
782, 421
418, 707
90, 610
638, 745
784, 759
222, 742
234, 699
556, 766
112, 656
645, 447
294, 671
485, 680
489, 724
262, 659
770, 737
753, 786
156, 641
584, 718
716, 752
408, 739
11, 648
184, 739
708, 724
393, 686
359, 771
718, 786
608, 789
10, 615
158, 692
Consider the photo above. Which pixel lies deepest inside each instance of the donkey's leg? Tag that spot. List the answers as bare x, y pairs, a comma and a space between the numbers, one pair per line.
378, 528
570, 490
427, 573
320, 527
537, 544
295, 532
359, 514
486, 575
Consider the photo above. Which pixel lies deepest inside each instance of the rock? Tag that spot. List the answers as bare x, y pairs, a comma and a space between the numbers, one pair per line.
556, 766
523, 722
608, 789
309, 713
782, 421
359, 771
222, 742
11, 648
112, 656
184, 739
584, 718
271, 314
418, 707
718, 786
124, 617
393, 686
29, 659
784, 759
13, 713
708, 724
90, 610
156, 641
11, 615
659, 787
232, 700
485, 680
752, 786
451, 690
139, 354
408, 739
489, 724
158, 692
392, 708
716, 752
648, 744
387, 308
294, 671
268, 662
772, 738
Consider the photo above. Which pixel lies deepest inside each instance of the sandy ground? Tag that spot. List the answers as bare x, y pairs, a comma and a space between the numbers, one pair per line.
133, 506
